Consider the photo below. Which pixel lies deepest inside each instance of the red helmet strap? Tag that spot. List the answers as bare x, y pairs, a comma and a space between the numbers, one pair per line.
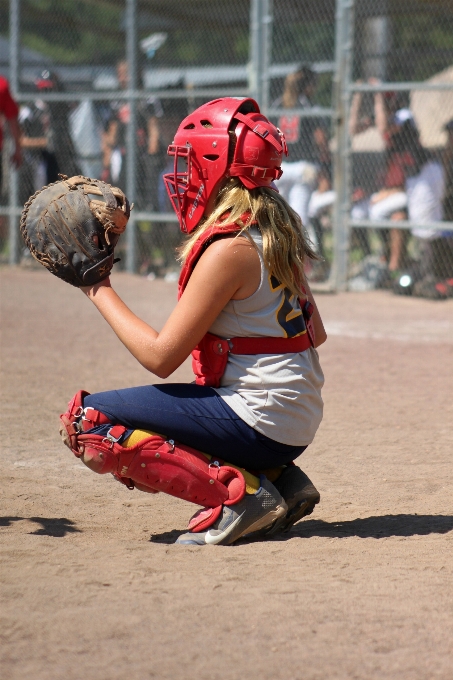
261, 130
241, 169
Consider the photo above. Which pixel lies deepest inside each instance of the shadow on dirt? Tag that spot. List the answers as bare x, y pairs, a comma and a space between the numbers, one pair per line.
167, 537
50, 526
383, 526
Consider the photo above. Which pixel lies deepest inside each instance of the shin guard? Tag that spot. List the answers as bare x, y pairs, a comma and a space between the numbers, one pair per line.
157, 463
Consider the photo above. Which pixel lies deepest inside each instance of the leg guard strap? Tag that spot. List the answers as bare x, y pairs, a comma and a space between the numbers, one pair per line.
78, 419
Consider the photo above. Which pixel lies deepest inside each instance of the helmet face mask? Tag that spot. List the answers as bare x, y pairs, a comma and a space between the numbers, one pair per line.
177, 182
204, 154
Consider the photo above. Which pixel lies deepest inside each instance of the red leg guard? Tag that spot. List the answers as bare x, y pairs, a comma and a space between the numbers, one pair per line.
156, 463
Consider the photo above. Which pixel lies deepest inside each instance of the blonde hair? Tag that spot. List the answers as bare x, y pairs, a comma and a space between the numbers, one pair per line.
285, 244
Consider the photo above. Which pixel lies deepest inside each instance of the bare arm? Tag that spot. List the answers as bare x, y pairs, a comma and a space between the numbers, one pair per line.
228, 269
108, 142
33, 142
153, 135
354, 113
322, 142
320, 331
359, 124
380, 111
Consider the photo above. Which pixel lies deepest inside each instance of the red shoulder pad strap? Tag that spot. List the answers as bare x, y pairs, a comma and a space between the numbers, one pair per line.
210, 235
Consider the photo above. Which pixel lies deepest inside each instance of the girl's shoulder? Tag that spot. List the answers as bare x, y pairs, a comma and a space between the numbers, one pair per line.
237, 258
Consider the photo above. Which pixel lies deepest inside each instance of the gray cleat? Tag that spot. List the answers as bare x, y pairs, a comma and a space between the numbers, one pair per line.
265, 508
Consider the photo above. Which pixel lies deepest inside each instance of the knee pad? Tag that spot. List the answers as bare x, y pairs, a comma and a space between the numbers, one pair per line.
157, 463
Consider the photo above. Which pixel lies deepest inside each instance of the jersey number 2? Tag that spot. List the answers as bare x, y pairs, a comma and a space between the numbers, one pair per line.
289, 314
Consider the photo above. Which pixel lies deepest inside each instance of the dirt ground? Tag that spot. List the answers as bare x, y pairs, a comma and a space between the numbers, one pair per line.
93, 587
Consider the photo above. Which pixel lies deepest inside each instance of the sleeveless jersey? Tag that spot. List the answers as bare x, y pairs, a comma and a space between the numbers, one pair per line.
279, 395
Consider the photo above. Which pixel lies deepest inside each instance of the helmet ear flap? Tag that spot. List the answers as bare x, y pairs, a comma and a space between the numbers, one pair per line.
259, 151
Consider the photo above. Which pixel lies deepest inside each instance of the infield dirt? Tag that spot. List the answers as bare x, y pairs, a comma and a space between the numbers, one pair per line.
93, 587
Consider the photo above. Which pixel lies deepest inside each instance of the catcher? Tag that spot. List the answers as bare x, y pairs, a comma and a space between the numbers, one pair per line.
245, 312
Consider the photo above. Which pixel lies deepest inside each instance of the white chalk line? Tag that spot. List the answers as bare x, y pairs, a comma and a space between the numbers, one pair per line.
416, 333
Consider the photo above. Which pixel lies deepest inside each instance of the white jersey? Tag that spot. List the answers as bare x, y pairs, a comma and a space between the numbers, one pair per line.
425, 193
277, 395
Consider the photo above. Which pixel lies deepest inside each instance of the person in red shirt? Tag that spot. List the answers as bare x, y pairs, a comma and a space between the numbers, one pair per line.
10, 111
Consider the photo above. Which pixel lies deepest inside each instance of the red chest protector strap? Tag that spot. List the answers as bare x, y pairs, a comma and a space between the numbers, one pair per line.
210, 235
210, 356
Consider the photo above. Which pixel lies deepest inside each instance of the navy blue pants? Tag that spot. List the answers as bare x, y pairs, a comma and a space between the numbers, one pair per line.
196, 416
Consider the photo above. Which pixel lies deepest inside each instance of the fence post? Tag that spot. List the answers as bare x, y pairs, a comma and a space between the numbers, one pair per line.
14, 70
261, 16
131, 57
342, 80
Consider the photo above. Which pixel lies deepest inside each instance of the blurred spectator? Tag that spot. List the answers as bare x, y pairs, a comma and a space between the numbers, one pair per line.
390, 201
421, 182
322, 199
429, 195
10, 111
385, 105
413, 190
424, 183
46, 139
174, 110
86, 132
150, 151
447, 161
309, 163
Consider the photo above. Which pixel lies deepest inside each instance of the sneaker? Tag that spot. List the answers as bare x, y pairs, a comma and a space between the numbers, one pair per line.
265, 508
300, 495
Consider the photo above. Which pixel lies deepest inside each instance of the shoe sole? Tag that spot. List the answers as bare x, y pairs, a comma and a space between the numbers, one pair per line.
276, 517
303, 509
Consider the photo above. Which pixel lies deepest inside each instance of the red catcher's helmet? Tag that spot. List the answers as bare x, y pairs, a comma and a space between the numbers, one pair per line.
205, 152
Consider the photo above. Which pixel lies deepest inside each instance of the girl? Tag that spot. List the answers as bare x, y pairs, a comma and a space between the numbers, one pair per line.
245, 312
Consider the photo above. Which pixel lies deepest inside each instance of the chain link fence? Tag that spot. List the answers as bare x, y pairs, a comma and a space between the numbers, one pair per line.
362, 89
400, 147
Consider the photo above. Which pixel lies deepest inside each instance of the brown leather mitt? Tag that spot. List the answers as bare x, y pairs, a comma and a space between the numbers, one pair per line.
72, 227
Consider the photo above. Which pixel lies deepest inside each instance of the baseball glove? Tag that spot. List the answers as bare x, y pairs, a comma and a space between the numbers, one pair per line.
72, 227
